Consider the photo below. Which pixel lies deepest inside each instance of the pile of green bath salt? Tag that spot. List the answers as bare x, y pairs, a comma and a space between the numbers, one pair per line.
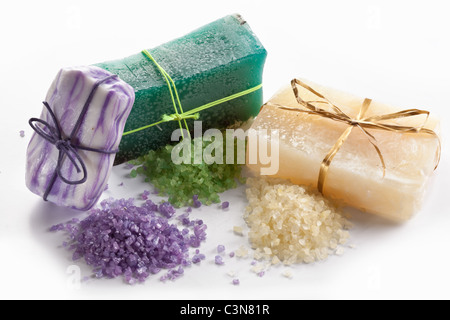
188, 183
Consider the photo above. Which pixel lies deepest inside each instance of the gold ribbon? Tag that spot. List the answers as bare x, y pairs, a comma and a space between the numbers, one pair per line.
362, 122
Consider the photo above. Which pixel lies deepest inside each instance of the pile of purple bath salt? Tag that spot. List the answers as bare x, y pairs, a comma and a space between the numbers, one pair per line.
122, 239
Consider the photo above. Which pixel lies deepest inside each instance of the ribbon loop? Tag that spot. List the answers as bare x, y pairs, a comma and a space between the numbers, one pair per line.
50, 136
372, 122
75, 158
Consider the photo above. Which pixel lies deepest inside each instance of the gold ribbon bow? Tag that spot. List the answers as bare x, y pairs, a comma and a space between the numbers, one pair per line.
363, 123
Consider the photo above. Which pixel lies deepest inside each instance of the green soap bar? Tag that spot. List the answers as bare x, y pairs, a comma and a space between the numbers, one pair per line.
218, 60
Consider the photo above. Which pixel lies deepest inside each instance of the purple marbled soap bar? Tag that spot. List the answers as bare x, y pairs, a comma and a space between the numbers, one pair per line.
100, 128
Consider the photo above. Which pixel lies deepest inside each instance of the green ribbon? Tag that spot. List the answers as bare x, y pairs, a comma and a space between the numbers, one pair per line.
180, 115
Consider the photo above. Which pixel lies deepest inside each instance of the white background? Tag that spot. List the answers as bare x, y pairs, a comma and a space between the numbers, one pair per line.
394, 51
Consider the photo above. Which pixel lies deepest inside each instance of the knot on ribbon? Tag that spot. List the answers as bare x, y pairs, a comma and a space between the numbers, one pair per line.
360, 121
179, 117
53, 134
63, 144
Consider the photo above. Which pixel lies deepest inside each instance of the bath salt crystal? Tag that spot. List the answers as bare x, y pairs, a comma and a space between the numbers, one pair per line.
236, 282
291, 224
275, 260
287, 274
340, 251
166, 209
197, 203
220, 248
257, 268
145, 195
197, 258
128, 166
242, 252
22, 133
231, 273
238, 230
218, 260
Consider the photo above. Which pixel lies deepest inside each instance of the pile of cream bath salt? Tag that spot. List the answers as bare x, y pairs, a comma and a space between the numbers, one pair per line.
123, 239
290, 223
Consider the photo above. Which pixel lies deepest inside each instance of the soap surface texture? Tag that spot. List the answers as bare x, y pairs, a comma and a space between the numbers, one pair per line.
100, 128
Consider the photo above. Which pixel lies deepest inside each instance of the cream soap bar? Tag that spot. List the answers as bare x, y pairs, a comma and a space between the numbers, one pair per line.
355, 176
